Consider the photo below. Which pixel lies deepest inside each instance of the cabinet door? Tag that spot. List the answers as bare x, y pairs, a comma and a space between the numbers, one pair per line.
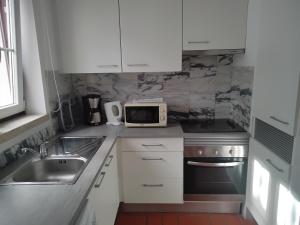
151, 33
287, 208
278, 64
89, 36
105, 193
214, 24
265, 175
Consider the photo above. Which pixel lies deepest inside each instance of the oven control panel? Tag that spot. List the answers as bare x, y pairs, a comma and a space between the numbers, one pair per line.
216, 151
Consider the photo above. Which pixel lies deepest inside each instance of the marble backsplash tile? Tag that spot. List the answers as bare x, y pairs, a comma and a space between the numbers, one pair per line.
13, 153
208, 87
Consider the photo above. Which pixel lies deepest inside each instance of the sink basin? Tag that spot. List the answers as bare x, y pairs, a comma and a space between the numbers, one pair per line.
62, 170
68, 157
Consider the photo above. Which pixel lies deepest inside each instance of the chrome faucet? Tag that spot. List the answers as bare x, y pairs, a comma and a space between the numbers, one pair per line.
43, 150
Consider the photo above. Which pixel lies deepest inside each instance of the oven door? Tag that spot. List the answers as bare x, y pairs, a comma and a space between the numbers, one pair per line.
209, 175
142, 114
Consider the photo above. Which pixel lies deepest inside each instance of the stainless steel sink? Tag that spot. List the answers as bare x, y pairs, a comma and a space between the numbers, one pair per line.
50, 170
69, 157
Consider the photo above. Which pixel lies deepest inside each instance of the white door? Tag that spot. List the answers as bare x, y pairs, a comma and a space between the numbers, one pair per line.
214, 24
151, 35
105, 193
276, 80
89, 36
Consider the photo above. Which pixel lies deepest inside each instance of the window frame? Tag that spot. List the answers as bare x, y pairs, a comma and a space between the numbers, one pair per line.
19, 103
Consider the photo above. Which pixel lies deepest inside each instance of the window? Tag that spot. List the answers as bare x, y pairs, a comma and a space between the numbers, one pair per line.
11, 81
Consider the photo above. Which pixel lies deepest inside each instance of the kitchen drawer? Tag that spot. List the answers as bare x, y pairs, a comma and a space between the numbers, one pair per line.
273, 163
152, 144
157, 190
152, 164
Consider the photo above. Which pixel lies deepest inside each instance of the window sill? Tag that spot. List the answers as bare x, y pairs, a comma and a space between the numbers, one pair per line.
12, 128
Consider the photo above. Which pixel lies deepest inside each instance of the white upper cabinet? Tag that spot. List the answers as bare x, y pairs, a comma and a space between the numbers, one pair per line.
151, 35
89, 36
276, 80
214, 24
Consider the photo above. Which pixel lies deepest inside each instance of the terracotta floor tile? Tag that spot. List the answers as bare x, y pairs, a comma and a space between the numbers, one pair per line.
247, 222
217, 219
194, 219
131, 219
154, 219
180, 219
225, 219
234, 219
170, 219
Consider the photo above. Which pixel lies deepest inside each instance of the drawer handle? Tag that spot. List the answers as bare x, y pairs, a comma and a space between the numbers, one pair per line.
107, 66
153, 185
274, 166
198, 42
278, 120
138, 65
154, 145
153, 159
99, 180
110, 159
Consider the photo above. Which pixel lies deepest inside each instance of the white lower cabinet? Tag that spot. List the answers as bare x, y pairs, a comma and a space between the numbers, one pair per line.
104, 195
267, 174
152, 170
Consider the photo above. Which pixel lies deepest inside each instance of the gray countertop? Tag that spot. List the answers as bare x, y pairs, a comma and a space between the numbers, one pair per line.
59, 204
172, 130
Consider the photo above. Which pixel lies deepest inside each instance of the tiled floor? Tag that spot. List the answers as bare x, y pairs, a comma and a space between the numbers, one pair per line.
179, 219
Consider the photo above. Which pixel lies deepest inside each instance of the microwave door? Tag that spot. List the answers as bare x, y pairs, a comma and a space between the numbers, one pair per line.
142, 115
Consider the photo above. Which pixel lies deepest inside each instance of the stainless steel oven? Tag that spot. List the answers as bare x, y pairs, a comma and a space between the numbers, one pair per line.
217, 170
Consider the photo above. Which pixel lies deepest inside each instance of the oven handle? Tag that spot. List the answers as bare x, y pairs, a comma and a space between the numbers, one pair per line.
205, 164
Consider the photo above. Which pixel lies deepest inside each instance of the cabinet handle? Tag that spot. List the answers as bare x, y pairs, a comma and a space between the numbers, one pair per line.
274, 166
153, 159
278, 120
99, 180
154, 145
198, 42
153, 185
110, 159
137, 65
107, 66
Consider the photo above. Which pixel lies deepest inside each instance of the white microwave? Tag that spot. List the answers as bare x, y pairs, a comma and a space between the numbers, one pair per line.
145, 114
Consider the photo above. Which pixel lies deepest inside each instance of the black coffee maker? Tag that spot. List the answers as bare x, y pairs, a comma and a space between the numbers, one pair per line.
92, 109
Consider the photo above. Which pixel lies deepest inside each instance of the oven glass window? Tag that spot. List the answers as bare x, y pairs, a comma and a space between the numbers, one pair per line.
202, 179
145, 114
